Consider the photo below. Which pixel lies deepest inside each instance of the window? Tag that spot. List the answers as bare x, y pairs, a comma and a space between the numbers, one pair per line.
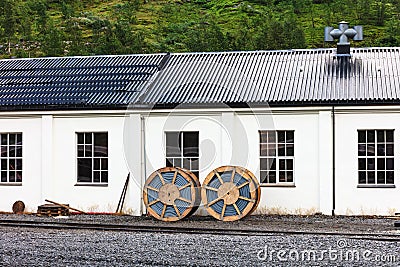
276, 157
375, 157
182, 150
11, 158
92, 157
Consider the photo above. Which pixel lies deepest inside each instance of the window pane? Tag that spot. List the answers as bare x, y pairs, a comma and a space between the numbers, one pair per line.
104, 177
172, 144
19, 139
19, 151
282, 177
263, 164
19, 164
84, 170
263, 136
263, 150
361, 137
11, 163
289, 175
100, 144
178, 162
80, 138
186, 164
380, 136
195, 164
290, 150
81, 151
4, 164
96, 176
362, 177
88, 138
371, 136
271, 137
4, 139
389, 150
381, 177
190, 144
104, 164
272, 150
263, 177
12, 139
381, 149
371, 164
18, 177
390, 177
371, 177
96, 163
390, 164
282, 165
169, 162
11, 176
272, 177
88, 151
11, 151
370, 150
289, 164
381, 164
290, 137
361, 150
4, 176
4, 151
272, 164
362, 164
281, 136
281, 150
389, 136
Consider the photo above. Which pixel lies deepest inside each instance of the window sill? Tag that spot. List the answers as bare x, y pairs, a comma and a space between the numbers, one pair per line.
278, 185
92, 184
10, 184
376, 186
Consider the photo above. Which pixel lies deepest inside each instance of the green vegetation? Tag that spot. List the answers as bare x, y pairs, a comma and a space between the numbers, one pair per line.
35, 28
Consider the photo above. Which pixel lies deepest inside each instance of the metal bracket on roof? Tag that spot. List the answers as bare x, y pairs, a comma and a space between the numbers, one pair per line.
343, 33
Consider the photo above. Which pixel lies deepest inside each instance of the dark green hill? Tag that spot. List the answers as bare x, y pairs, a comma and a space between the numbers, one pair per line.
37, 28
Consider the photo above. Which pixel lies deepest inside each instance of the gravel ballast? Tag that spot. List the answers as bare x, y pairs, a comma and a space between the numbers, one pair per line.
49, 247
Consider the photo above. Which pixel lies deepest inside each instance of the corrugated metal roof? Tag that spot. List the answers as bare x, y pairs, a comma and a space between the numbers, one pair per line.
75, 81
371, 75
293, 76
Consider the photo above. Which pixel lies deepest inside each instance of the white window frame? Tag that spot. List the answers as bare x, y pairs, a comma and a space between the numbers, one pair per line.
92, 157
8, 157
182, 157
277, 158
375, 157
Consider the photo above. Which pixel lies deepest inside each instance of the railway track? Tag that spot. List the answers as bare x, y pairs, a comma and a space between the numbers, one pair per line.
188, 230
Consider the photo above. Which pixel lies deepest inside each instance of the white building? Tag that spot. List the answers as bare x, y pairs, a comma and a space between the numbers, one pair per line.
319, 131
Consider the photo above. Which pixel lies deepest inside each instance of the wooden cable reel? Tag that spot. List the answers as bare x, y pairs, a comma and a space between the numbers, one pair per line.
171, 194
229, 193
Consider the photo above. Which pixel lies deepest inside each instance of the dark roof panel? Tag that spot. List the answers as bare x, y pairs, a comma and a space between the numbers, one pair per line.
82, 81
371, 75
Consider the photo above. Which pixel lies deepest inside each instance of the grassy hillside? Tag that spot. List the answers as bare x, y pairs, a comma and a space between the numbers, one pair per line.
58, 28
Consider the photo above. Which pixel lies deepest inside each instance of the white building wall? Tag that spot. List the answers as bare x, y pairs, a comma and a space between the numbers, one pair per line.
360, 201
93, 198
226, 137
30, 191
230, 138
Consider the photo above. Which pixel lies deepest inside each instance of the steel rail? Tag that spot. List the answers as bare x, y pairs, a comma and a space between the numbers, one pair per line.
189, 230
